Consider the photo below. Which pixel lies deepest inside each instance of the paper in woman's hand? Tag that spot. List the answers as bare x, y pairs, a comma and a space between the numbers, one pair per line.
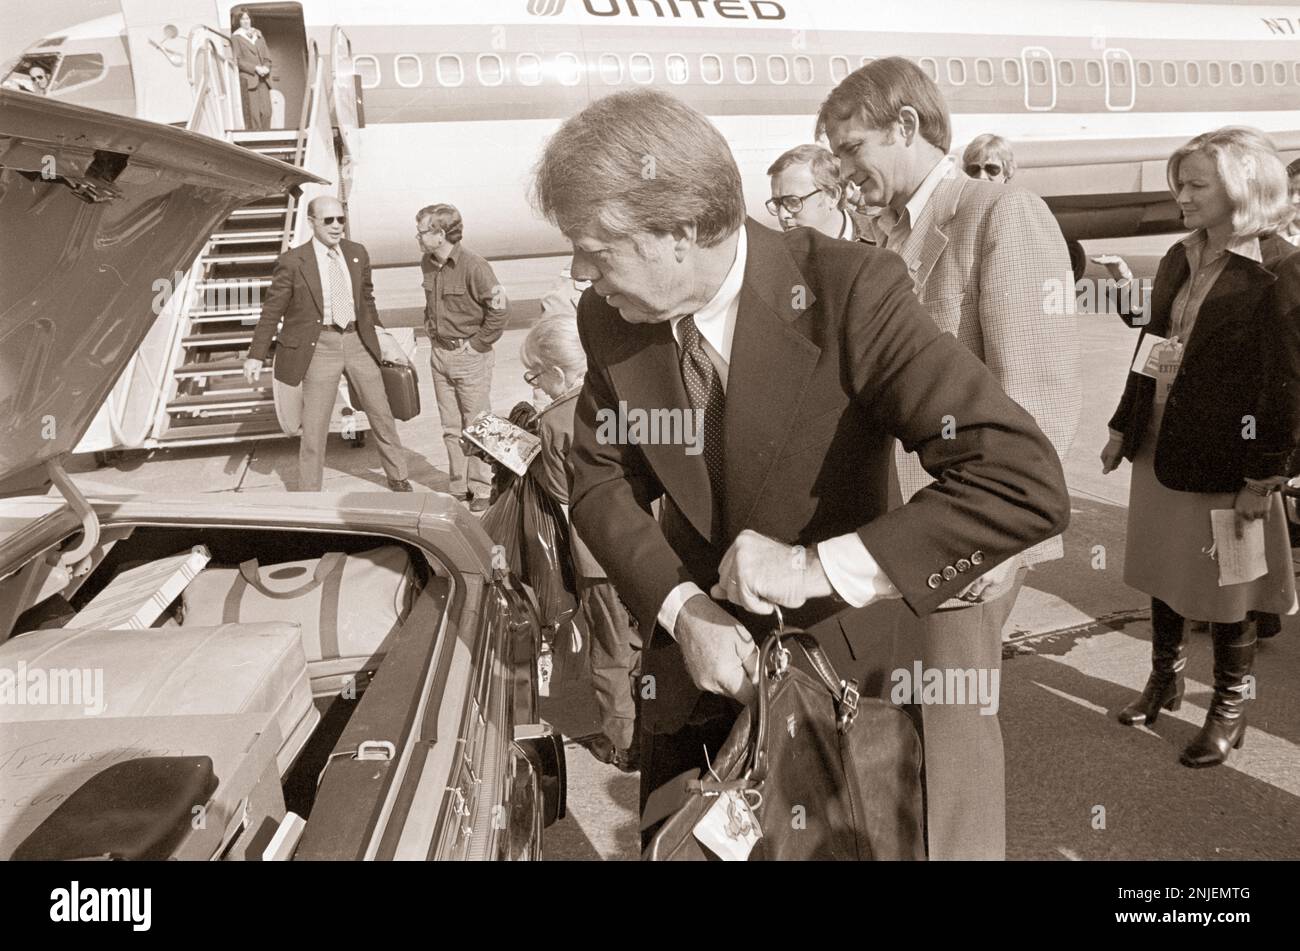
505, 442
1240, 559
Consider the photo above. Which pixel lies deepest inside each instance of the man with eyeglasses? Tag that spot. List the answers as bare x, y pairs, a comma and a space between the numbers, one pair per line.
807, 193
983, 258
465, 313
323, 301
989, 157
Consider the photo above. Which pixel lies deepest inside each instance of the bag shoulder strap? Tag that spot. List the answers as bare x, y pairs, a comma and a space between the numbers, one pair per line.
328, 564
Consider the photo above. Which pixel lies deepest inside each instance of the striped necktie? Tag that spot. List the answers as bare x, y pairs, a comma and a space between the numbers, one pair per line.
704, 389
340, 300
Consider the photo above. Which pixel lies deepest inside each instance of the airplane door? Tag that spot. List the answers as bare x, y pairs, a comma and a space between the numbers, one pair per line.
157, 34
1121, 86
345, 104
1039, 77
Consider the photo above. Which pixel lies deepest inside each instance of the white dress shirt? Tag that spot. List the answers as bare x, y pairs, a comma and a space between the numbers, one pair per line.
853, 573
323, 263
897, 226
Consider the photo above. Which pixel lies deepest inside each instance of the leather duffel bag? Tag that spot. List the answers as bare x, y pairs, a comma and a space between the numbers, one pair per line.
811, 771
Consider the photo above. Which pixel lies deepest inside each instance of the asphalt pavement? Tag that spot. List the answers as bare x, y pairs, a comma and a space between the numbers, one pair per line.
1079, 785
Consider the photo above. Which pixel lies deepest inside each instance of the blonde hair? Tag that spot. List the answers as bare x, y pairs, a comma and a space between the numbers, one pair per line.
991, 146
554, 342
1252, 174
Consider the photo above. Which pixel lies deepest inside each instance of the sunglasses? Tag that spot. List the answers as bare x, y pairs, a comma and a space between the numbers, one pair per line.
992, 169
532, 376
39, 77
340, 219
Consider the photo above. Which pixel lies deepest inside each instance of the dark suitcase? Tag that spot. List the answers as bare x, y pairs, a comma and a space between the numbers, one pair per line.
403, 389
825, 774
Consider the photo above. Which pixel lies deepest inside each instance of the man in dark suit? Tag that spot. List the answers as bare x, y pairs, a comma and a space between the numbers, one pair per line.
322, 292
805, 357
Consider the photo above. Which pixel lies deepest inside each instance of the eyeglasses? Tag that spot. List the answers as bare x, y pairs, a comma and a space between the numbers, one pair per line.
791, 203
532, 376
333, 218
992, 169
421, 232
39, 77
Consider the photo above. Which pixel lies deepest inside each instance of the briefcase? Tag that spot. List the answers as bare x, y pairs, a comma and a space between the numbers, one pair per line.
811, 771
403, 389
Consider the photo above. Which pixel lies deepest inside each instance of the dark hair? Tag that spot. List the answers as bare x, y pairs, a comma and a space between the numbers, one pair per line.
446, 217
878, 91
639, 162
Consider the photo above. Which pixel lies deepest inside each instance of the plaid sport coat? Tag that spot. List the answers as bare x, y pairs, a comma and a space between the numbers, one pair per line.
987, 262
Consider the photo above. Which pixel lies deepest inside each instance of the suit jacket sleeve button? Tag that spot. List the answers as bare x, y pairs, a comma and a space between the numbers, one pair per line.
934, 580
977, 558
949, 573
963, 564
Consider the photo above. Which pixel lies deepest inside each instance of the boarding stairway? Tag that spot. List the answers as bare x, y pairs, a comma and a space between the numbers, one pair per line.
208, 399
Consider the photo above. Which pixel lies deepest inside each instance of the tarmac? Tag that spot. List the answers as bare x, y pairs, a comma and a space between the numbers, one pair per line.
1079, 785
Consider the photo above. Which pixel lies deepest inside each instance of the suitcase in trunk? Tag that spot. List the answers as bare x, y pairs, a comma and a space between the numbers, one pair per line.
164, 672
347, 605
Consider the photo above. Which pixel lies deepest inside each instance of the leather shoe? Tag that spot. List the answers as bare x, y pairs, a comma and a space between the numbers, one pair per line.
479, 504
626, 761
400, 485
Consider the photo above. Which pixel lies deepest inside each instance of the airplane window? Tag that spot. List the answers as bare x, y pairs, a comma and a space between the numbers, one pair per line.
1279, 74
642, 68
76, 69
839, 68
803, 70
746, 69
367, 68
1065, 72
678, 71
528, 67
711, 68
778, 70
1214, 73
1119, 73
611, 69
1237, 73
490, 70
1295, 72
929, 67
984, 72
450, 71
1169, 73
1258, 76
1092, 72
568, 69
1011, 72
1146, 75
1038, 72
409, 70
957, 72
1192, 73
866, 59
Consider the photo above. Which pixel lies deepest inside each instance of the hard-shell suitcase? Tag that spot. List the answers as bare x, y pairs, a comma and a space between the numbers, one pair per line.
403, 389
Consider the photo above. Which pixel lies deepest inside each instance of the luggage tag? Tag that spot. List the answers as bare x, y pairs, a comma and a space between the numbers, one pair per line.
729, 829
1159, 359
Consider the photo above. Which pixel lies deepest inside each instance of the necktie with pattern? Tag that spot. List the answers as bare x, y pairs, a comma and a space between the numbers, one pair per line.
340, 299
704, 390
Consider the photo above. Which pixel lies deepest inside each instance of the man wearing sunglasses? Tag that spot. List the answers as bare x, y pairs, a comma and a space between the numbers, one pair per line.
989, 157
322, 299
983, 257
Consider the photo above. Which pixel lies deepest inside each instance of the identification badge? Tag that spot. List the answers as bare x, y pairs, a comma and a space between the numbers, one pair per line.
1159, 359
729, 829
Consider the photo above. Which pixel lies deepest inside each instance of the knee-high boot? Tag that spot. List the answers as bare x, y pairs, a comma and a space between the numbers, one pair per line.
1225, 724
1164, 687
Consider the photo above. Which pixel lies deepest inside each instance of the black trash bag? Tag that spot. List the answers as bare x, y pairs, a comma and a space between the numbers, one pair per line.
503, 522
548, 561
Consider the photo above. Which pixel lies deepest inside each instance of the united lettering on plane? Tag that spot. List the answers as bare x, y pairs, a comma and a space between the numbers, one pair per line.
668, 9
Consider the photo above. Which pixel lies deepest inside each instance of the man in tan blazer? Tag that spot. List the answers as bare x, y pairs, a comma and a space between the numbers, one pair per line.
986, 261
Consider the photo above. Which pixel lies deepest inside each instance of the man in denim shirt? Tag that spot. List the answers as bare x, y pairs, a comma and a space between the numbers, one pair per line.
465, 311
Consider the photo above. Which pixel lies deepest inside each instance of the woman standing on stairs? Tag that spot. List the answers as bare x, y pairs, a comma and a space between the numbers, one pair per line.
1210, 422
254, 61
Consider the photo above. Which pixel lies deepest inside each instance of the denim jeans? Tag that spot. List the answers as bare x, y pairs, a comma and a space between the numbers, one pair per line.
462, 383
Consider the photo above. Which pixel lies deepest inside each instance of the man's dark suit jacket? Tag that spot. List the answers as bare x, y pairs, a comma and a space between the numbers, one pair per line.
832, 358
296, 296
1242, 360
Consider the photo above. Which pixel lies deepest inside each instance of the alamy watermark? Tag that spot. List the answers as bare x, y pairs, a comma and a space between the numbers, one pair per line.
947, 685
635, 426
53, 686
